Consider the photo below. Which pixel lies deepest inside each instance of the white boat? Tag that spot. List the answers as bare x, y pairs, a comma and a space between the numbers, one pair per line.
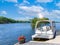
45, 29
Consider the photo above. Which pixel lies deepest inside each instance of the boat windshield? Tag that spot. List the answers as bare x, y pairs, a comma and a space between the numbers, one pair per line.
44, 26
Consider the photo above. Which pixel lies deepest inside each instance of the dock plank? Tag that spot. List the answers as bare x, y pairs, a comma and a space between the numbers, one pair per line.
35, 43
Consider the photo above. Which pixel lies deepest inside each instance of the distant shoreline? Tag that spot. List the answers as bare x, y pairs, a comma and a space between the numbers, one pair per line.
10, 23
4, 20
22, 22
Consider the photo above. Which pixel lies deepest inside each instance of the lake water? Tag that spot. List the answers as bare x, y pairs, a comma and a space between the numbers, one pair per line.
9, 33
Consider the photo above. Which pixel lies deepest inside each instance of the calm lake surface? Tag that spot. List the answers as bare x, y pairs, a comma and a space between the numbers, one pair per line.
9, 33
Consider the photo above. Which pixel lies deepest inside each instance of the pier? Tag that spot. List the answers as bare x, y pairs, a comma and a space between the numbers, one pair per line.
55, 41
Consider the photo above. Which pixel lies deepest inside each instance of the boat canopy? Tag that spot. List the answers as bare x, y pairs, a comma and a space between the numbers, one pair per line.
44, 25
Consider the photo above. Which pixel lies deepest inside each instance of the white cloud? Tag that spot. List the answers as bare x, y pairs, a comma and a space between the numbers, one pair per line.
24, 2
44, 1
32, 8
24, 18
3, 12
15, 1
31, 11
55, 14
36, 11
58, 4
56, 11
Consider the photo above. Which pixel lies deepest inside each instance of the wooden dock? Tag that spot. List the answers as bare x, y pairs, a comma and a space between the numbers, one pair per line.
37, 43
55, 41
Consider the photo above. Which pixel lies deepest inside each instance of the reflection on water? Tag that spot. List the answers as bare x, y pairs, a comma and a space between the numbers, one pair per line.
9, 33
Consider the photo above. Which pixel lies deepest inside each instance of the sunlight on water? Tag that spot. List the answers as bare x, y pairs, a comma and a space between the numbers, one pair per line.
9, 33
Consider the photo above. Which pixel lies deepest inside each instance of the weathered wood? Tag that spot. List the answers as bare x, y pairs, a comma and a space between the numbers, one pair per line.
35, 43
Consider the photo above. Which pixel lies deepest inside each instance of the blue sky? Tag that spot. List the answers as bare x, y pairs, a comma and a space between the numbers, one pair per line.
27, 9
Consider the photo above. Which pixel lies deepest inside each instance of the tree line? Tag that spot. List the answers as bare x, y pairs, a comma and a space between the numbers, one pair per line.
9, 20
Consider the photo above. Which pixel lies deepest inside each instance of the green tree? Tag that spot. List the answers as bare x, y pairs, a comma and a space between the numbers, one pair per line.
6, 20
33, 21
9, 20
